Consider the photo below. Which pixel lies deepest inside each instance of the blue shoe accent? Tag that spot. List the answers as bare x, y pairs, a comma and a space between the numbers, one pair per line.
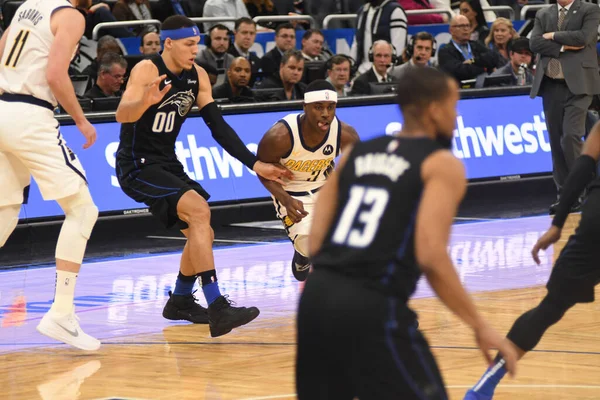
472, 395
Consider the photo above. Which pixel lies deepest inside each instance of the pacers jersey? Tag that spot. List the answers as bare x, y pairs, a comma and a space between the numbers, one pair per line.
371, 238
310, 166
25, 58
152, 138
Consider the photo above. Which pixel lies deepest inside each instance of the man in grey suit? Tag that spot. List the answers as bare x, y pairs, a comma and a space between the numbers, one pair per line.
565, 36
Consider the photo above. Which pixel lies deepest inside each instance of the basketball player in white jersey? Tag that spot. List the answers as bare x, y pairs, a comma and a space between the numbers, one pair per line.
35, 53
307, 145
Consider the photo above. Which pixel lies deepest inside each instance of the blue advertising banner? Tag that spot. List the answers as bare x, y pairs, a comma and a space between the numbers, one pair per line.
490, 145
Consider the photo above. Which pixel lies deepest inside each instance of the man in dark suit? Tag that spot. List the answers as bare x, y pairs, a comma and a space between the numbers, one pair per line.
565, 36
245, 35
236, 89
285, 39
462, 58
288, 78
382, 59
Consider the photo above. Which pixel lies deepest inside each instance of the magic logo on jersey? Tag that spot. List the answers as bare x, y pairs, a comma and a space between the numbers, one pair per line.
183, 101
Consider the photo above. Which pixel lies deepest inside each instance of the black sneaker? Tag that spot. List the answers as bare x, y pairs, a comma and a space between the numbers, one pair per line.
185, 308
300, 267
222, 317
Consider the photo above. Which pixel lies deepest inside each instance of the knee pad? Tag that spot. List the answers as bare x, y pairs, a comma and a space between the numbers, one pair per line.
301, 245
80, 217
9, 217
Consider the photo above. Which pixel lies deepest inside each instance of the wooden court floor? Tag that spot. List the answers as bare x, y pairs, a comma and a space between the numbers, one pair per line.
146, 357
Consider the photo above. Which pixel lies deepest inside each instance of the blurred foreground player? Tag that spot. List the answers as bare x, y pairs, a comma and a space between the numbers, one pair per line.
160, 93
382, 219
576, 271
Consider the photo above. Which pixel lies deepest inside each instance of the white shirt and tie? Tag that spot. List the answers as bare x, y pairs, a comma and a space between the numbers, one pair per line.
554, 69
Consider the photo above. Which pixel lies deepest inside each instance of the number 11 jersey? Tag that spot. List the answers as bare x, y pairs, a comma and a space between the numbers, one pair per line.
152, 138
371, 237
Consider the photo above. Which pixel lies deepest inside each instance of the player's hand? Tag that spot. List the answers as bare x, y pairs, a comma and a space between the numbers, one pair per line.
295, 209
152, 94
488, 339
88, 131
550, 237
272, 172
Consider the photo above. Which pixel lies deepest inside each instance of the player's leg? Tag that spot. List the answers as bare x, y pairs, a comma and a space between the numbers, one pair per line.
195, 212
14, 177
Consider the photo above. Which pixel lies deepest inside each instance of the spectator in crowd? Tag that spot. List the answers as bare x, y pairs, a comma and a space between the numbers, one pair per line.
425, 18
150, 42
290, 74
236, 89
500, 35
463, 58
132, 10
211, 72
382, 59
285, 40
224, 8
472, 10
106, 44
217, 42
418, 51
111, 76
260, 8
312, 46
338, 74
100, 12
378, 20
245, 35
518, 67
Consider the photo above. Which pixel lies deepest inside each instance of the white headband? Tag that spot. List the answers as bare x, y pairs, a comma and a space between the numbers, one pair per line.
320, 95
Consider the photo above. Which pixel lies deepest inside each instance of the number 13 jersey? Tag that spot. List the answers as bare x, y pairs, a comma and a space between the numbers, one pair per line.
25, 57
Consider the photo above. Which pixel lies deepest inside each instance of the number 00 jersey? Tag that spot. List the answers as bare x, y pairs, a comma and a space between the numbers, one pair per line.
310, 166
371, 237
25, 58
152, 138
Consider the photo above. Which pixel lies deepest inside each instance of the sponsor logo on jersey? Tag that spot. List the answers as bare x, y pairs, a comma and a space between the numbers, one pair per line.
191, 81
328, 150
287, 221
183, 101
308, 165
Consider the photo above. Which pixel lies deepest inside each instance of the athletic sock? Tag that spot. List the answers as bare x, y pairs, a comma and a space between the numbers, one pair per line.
184, 285
64, 292
210, 286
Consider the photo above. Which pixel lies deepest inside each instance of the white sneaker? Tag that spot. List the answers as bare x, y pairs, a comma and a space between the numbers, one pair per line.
66, 329
67, 385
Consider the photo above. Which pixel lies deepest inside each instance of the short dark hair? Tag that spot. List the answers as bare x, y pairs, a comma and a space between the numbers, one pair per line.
311, 32
297, 54
109, 59
218, 27
319, 84
424, 36
287, 25
337, 60
243, 20
145, 32
176, 22
420, 87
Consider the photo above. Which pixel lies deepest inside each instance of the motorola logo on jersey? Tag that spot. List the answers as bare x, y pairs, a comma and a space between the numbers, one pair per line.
183, 100
328, 150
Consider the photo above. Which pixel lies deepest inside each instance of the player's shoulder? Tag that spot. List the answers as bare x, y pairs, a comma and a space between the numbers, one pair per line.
444, 164
145, 70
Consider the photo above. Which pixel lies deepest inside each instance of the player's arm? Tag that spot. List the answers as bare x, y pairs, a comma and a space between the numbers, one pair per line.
444, 187
3, 42
349, 136
275, 144
141, 92
325, 206
226, 136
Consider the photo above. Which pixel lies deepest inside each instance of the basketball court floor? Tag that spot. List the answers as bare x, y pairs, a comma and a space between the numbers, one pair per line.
144, 356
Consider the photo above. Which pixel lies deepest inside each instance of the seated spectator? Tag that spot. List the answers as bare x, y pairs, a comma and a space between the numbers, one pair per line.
419, 51
111, 76
132, 10
98, 13
150, 42
424, 19
378, 73
215, 53
338, 74
462, 58
245, 35
472, 10
236, 89
497, 40
312, 46
285, 39
224, 8
519, 66
260, 8
211, 72
290, 74
106, 44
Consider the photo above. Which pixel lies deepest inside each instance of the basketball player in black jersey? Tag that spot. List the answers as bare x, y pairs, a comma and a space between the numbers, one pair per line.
160, 93
382, 219
576, 271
